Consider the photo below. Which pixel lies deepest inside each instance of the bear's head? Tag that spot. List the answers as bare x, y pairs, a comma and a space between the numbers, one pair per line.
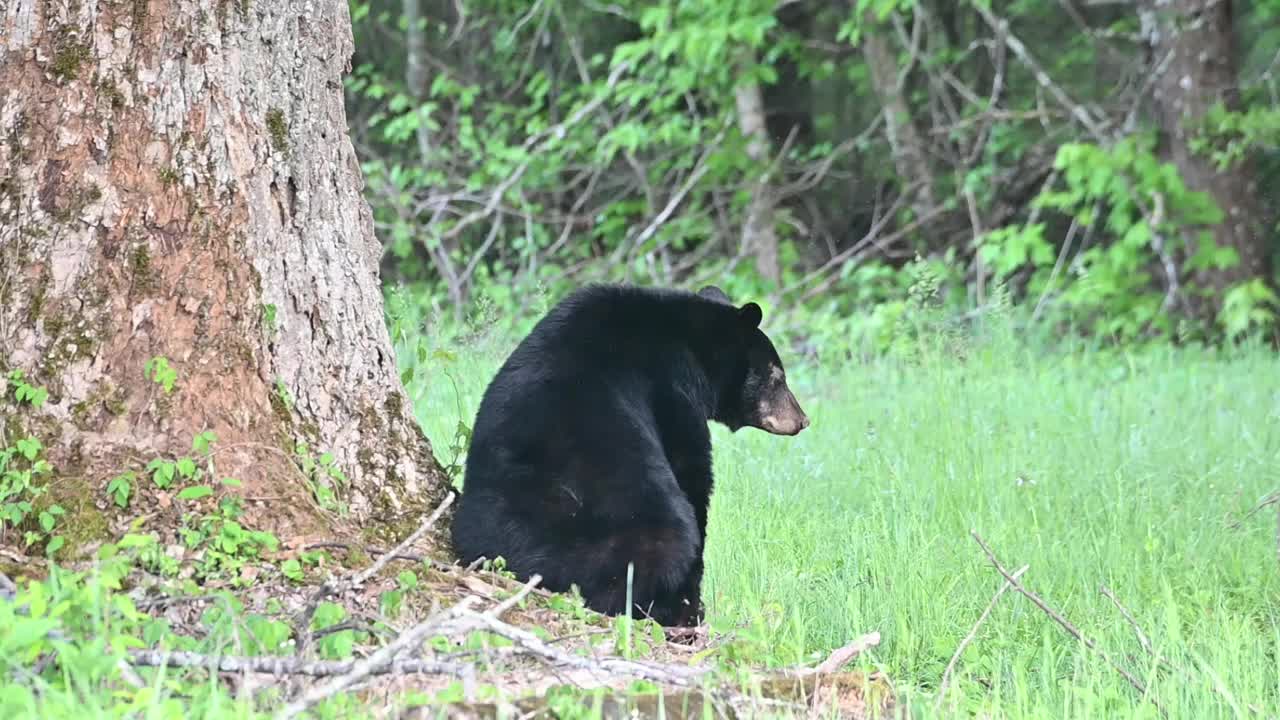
752, 383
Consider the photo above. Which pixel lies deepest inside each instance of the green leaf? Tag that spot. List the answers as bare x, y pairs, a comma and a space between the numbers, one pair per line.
49, 518
163, 475
200, 444
28, 447
186, 467
120, 487
195, 492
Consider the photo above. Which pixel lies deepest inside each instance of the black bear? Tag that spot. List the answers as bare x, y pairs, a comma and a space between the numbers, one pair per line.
591, 450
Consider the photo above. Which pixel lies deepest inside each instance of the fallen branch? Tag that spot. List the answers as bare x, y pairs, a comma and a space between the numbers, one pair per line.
497, 610
278, 665
1066, 625
349, 672
1137, 630
680, 676
1160, 660
1272, 499
973, 632
380, 659
337, 586
382, 562
842, 655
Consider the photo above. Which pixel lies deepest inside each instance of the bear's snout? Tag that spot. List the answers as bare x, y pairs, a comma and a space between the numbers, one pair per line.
784, 416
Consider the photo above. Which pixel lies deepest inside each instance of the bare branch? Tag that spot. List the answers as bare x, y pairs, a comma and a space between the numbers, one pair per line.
973, 632
1078, 111
535, 144
1057, 268
337, 586
277, 665
426, 525
382, 658
842, 655
1065, 624
521, 594
1164, 663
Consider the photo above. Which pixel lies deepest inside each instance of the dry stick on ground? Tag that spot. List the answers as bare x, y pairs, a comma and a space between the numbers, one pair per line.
677, 675
1160, 660
973, 632
279, 665
409, 641
383, 561
337, 586
297, 666
1066, 624
383, 657
371, 549
842, 655
1272, 499
521, 594
1137, 630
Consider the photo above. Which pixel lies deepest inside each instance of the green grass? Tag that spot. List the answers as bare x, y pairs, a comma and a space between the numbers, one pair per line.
1131, 470
1115, 469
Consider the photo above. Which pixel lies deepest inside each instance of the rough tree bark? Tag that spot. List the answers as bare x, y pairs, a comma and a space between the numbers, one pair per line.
758, 234
176, 180
1192, 46
905, 144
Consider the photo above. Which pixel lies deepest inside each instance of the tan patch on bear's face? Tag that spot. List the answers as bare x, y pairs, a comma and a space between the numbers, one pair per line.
778, 410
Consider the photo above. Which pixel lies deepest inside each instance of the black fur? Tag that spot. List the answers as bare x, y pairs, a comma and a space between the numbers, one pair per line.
591, 448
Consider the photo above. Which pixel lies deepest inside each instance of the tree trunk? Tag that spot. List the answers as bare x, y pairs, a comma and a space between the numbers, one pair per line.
758, 234
176, 181
1196, 37
905, 144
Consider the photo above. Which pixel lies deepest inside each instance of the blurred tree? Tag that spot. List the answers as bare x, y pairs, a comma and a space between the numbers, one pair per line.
798, 149
1192, 58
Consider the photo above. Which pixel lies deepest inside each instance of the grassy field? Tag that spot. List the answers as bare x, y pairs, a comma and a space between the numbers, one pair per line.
1117, 470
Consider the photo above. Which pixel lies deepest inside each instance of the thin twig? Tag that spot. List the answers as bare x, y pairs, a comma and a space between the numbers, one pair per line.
1066, 625
277, 665
678, 675
980, 270
1137, 630
383, 657
973, 632
534, 145
1077, 110
337, 586
1160, 660
497, 610
1057, 268
382, 562
842, 655
1272, 499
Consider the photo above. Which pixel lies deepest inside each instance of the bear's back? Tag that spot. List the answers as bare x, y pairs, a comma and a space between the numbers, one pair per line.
602, 328
593, 358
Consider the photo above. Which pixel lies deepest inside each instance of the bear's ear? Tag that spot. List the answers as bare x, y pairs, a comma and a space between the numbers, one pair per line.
751, 315
711, 292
